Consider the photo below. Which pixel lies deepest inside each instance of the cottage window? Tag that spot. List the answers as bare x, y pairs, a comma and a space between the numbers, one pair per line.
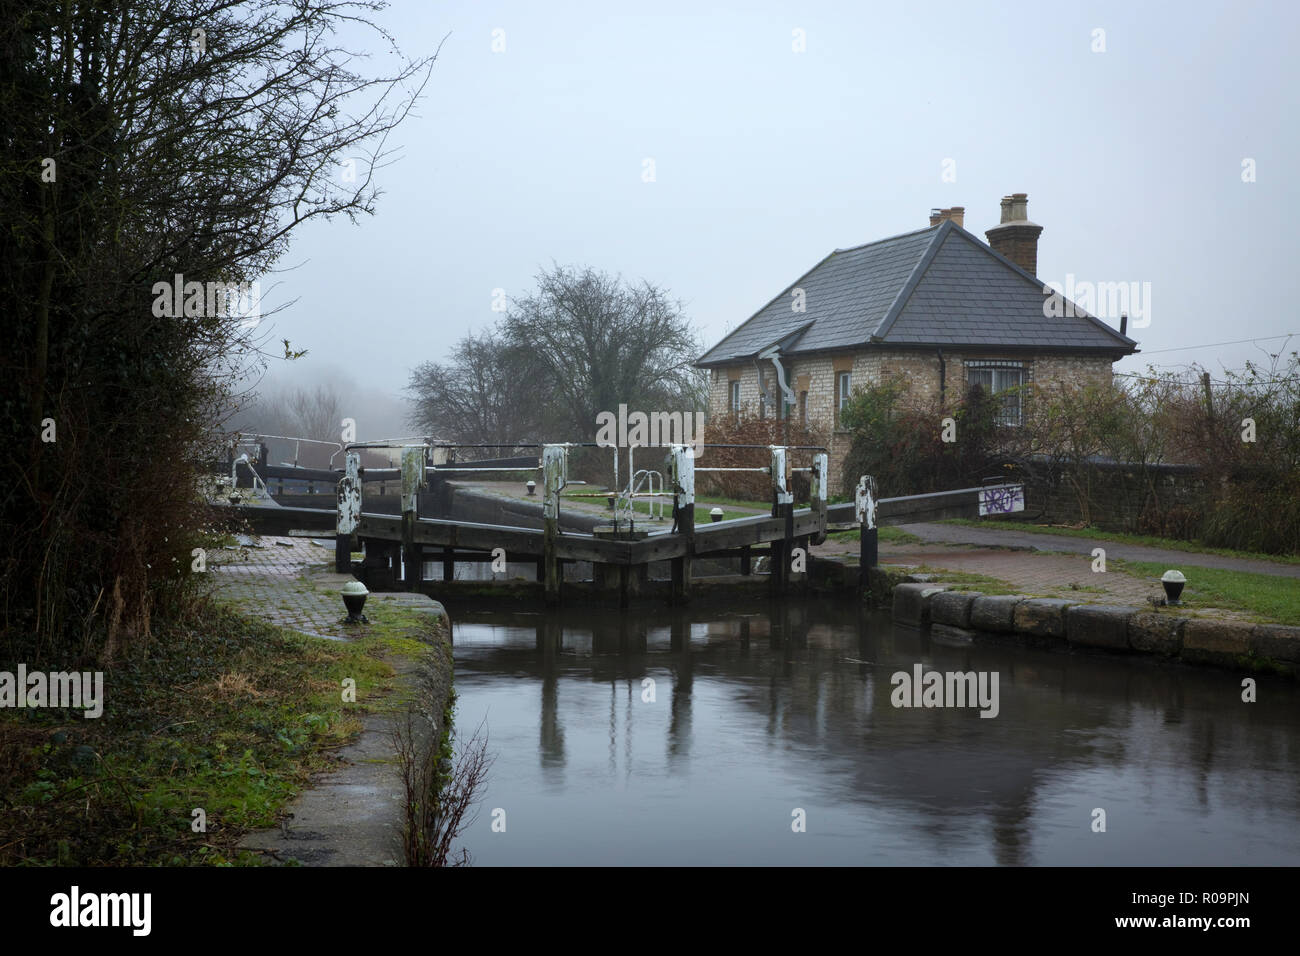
1001, 378
843, 388
735, 397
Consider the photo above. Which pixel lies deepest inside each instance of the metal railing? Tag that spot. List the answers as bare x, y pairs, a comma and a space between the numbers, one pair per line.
625, 504
259, 486
251, 440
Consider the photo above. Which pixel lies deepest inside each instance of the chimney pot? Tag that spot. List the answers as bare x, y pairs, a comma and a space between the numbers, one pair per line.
1016, 237
957, 214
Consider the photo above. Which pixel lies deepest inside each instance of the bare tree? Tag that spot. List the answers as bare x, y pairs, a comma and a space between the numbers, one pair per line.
490, 392
317, 412
605, 342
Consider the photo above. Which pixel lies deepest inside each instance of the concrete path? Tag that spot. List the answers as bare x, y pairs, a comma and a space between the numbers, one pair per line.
1006, 538
353, 815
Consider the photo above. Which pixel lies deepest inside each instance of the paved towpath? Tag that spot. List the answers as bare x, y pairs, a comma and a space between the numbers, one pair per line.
280, 580
935, 533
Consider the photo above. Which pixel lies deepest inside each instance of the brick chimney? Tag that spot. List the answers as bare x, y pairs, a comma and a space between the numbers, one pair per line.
957, 214
1016, 237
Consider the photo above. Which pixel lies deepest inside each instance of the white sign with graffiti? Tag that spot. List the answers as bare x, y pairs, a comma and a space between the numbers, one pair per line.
1002, 499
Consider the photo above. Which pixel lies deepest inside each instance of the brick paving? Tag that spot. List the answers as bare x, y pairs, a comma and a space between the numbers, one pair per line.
289, 582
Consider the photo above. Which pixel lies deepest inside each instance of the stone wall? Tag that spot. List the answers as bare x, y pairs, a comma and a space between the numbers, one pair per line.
1070, 370
965, 616
918, 369
1155, 499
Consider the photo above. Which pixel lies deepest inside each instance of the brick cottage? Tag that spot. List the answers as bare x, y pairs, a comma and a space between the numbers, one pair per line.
937, 308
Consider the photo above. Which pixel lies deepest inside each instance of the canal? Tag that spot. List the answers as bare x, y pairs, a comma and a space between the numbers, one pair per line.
659, 737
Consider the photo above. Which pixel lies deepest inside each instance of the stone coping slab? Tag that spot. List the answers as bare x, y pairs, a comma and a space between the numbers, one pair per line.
956, 616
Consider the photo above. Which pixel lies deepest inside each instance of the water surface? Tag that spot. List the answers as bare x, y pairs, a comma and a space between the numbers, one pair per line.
757, 715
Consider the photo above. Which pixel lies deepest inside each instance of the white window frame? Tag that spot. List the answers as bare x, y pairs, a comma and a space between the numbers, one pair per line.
733, 388
1000, 374
843, 389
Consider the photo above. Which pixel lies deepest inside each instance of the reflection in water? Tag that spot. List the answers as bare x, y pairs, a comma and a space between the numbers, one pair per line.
679, 730
551, 744
754, 715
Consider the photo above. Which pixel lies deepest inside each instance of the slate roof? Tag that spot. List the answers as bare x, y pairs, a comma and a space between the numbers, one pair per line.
939, 286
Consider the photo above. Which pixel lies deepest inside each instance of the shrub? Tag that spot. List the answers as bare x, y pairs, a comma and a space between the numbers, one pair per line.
747, 430
1110, 446
898, 440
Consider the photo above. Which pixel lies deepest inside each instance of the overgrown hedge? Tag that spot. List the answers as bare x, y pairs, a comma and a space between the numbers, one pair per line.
1240, 443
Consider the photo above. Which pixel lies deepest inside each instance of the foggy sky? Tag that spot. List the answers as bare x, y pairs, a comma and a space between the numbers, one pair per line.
767, 159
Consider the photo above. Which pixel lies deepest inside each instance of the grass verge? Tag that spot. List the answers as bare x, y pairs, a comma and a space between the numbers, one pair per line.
1266, 597
227, 715
888, 533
